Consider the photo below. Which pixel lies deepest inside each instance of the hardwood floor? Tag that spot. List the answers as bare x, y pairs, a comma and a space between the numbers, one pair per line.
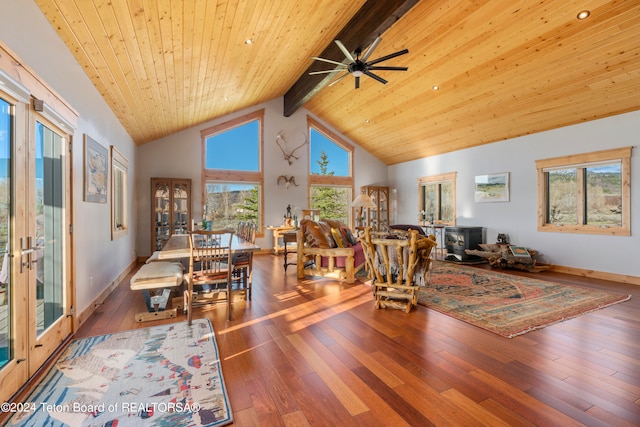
317, 352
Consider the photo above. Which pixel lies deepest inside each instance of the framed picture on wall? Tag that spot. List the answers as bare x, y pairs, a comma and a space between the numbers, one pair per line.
96, 171
492, 188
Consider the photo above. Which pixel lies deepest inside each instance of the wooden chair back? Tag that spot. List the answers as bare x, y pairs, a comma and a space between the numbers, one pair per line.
210, 264
243, 261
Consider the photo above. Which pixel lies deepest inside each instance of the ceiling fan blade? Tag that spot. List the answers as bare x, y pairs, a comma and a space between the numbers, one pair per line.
384, 58
345, 51
338, 79
373, 76
325, 71
389, 68
369, 51
357, 82
317, 58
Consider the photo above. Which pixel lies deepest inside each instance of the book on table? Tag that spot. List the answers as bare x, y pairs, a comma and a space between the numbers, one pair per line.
519, 251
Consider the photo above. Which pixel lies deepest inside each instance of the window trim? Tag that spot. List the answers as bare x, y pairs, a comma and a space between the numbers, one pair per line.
445, 177
119, 162
623, 155
235, 176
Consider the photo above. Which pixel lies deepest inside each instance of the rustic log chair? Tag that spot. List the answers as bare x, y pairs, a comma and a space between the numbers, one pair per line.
399, 264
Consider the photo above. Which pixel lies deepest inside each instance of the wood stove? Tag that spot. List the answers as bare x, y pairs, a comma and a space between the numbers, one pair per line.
458, 239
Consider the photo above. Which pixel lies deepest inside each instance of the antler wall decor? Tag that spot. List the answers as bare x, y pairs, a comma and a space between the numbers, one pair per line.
288, 180
284, 146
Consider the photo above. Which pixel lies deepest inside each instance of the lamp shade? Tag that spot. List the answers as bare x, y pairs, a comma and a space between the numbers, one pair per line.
363, 201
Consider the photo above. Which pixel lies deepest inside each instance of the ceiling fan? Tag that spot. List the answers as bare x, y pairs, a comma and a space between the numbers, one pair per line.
359, 66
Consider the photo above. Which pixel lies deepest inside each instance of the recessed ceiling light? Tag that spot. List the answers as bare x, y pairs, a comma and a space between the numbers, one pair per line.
248, 41
584, 14
436, 87
367, 121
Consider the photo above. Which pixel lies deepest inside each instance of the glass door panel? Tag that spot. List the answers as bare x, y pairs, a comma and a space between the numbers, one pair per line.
5, 233
47, 242
161, 202
49, 226
180, 205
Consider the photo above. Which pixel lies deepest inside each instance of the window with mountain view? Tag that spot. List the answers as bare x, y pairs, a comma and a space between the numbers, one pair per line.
586, 193
233, 172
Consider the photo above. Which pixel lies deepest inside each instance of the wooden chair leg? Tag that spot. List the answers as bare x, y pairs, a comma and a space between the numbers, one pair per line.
229, 298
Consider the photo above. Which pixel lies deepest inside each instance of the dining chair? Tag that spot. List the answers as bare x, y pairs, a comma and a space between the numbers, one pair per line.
210, 267
243, 261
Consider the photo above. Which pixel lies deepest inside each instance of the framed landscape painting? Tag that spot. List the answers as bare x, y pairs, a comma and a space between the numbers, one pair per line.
96, 161
492, 188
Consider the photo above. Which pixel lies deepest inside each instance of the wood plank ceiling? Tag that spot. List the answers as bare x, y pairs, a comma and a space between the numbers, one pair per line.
504, 68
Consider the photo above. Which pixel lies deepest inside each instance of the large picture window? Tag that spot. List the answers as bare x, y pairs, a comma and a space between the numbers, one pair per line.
330, 173
233, 176
587, 193
437, 198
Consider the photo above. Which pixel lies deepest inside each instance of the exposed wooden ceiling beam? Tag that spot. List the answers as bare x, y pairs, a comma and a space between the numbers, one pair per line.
372, 20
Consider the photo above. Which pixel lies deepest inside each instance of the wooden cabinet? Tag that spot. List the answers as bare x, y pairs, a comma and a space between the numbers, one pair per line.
379, 216
170, 209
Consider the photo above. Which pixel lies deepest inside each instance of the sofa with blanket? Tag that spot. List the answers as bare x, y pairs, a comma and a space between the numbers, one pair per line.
328, 248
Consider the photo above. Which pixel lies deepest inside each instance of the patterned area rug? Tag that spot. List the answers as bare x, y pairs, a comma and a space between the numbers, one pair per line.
165, 375
505, 304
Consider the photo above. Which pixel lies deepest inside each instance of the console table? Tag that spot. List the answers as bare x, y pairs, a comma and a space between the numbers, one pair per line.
277, 231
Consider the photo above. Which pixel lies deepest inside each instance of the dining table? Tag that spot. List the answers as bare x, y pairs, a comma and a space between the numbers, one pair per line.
177, 247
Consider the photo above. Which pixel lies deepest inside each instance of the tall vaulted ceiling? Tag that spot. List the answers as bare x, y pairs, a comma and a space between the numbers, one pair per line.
503, 68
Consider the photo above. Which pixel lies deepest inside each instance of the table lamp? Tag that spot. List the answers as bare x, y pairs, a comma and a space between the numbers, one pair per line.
362, 201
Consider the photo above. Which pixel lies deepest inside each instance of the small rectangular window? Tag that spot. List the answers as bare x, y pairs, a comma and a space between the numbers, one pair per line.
437, 198
587, 193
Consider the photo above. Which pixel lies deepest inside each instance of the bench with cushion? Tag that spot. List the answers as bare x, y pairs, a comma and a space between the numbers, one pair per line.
155, 280
328, 248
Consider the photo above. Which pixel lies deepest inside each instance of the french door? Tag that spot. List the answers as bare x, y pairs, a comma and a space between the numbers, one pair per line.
35, 280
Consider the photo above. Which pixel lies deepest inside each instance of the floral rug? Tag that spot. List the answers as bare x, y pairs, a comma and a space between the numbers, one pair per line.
167, 375
506, 304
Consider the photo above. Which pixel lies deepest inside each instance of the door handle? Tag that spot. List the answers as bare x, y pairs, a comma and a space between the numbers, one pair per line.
26, 251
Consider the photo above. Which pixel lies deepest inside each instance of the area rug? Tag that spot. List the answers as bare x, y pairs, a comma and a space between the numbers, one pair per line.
506, 304
167, 375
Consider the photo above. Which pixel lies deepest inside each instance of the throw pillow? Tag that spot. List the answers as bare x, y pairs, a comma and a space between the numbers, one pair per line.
317, 234
337, 236
348, 236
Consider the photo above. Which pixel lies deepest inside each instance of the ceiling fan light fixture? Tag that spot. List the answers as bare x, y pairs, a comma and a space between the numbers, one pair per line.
360, 66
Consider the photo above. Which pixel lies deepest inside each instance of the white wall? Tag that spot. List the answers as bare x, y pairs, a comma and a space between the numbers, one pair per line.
98, 260
518, 217
178, 156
